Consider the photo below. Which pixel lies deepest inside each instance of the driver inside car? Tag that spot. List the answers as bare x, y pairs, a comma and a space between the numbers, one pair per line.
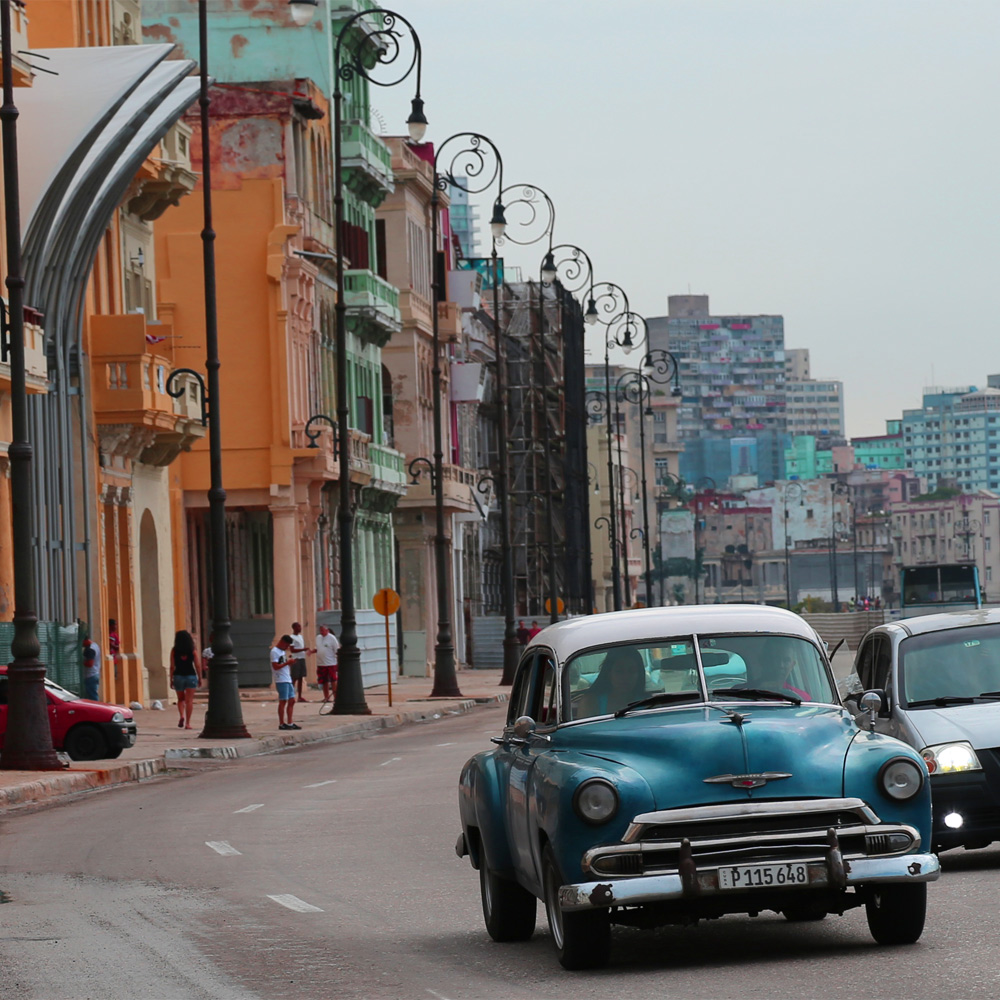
622, 680
775, 668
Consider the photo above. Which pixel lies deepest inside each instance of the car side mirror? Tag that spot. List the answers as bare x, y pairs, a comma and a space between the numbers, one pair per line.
524, 727
872, 702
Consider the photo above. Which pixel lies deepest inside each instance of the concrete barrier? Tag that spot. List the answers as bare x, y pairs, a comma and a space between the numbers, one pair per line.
849, 625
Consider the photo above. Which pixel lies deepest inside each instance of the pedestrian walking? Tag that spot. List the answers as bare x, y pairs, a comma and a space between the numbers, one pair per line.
522, 633
298, 653
185, 675
91, 670
534, 630
326, 661
114, 644
283, 682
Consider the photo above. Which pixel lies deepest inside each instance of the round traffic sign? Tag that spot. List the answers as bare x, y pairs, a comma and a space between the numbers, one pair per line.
386, 602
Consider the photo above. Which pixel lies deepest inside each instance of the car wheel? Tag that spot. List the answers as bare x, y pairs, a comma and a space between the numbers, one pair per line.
582, 940
86, 743
114, 754
508, 909
896, 913
804, 912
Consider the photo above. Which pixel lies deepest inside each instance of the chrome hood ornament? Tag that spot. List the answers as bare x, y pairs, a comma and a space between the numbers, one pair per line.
747, 780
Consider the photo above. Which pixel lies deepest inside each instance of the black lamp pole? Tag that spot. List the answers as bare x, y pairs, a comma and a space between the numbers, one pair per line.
837, 488
28, 742
634, 388
467, 169
224, 716
379, 43
793, 491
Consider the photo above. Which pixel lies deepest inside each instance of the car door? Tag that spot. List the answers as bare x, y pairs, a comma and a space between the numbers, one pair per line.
3, 707
62, 715
539, 700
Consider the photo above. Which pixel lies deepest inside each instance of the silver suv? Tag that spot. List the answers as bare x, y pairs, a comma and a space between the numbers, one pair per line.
937, 678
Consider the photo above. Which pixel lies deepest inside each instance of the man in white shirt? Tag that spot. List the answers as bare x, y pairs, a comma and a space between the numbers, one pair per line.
283, 682
297, 655
326, 661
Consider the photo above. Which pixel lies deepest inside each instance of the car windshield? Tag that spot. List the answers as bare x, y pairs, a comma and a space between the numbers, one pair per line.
784, 665
955, 663
60, 692
602, 682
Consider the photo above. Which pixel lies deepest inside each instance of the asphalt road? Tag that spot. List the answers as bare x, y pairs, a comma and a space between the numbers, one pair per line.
330, 872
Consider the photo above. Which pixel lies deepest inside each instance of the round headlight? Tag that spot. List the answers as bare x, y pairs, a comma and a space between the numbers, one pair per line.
595, 801
118, 717
901, 778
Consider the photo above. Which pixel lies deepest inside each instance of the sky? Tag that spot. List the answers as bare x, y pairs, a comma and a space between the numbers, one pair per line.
831, 161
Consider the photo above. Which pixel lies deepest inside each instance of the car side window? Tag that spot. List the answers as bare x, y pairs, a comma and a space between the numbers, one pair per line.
546, 706
864, 668
882, 660
521, 692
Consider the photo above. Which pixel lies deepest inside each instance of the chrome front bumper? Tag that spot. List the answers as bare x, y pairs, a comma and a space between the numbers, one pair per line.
700, 884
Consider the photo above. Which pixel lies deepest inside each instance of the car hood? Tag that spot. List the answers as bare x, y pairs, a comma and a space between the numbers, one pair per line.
979, 724
678, 749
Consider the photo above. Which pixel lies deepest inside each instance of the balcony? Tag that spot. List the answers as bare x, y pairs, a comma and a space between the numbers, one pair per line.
372, 307
165, 179
414, 309
388, 469
449, 322
459, 483
367, 163
136, 418
35, 366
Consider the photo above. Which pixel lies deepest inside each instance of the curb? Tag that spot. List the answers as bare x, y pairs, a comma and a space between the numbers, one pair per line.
68, 783
71, 782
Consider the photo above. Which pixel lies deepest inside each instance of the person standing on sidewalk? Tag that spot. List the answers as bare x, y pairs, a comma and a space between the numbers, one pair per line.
298, 658
185, 675
283, 682
91, 672
326, 661
206, 656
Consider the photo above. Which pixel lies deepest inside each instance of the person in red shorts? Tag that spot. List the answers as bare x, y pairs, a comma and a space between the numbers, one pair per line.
326, 661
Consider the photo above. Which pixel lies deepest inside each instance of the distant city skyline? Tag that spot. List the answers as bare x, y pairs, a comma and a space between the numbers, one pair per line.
829, 162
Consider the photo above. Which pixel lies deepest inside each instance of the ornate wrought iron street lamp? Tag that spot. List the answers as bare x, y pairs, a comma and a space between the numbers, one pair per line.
473, 163
367, 41
837, 488
28, 741
792, 491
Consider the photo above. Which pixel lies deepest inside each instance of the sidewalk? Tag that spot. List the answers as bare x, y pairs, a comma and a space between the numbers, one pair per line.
161, 745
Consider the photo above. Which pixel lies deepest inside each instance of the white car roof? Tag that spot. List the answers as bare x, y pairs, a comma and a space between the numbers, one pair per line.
643, 624
948, 619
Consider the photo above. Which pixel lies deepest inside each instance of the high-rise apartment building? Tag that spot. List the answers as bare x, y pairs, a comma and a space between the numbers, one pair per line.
955, 436
464, 221
731, 418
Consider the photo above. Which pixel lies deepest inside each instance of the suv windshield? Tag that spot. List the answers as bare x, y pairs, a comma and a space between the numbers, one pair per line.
602, 682
956, 663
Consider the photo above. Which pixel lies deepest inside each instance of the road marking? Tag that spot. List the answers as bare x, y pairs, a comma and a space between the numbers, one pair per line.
250, 809
389, 761
446, 744
320, 784
294, 903
434, 993
221, 847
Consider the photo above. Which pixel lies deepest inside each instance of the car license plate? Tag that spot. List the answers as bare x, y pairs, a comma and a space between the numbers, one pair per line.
763, 876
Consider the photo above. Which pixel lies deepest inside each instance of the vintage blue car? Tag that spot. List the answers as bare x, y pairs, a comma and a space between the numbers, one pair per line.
667, 765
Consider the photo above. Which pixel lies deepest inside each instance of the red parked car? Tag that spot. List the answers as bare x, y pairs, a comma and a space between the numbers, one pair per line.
86, 730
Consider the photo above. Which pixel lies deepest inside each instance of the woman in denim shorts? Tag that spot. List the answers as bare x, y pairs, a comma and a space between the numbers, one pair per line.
185, 675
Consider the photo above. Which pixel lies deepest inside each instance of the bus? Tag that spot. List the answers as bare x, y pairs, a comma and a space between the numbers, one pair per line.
926, 590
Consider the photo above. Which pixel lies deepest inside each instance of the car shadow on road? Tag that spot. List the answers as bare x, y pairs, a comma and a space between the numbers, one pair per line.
960, 860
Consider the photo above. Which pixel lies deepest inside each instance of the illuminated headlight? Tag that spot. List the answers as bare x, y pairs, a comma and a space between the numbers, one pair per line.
118, 717
595, 801
948, 758
901, 778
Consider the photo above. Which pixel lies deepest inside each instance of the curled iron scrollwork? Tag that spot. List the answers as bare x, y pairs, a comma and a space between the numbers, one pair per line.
596, 402
530, 213
175, 389
472, 168
572, 266
374, 39
610, 303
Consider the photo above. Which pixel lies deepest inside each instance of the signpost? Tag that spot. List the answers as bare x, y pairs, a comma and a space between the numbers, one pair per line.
560, 605
386, 603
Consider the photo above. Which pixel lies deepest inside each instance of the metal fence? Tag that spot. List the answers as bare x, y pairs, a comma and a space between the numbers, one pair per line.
62, 651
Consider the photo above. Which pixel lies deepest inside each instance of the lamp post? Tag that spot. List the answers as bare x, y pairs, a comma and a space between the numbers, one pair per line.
531, 217
28, 741
608, 305
381, 41
474, 164
792, 491
837, 488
